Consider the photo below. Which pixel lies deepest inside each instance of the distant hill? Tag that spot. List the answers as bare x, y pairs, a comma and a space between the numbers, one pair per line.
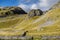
56, 5
11, 11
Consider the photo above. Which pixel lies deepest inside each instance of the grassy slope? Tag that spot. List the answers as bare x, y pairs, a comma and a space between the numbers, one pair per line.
11, 21
39, 25
48, 24
20, 26
51, 29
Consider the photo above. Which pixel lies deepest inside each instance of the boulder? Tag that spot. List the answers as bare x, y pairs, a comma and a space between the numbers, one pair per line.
35, 12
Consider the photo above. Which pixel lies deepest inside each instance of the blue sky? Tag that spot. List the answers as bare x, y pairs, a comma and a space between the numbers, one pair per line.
29, 4
4, 3
17, 2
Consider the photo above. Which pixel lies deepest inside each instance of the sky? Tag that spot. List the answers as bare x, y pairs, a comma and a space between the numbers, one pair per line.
29, 4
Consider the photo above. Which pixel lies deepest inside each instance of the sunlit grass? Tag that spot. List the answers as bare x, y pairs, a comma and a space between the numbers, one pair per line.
33, 24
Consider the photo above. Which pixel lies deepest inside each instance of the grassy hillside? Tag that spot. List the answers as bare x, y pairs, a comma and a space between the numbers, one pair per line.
50, 22
47, 24
11, 21
37, 26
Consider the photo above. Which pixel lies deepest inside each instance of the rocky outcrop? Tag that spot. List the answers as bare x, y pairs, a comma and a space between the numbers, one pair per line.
18, 10
11, 11
35, 12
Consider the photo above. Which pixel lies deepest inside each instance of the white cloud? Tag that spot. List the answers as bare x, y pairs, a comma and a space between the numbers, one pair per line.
24, 7
43, 3
43, 0
27, 0
34, 6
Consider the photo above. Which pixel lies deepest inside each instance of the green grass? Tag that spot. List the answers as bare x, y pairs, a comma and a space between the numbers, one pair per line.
33, 24
8, 23
11, 21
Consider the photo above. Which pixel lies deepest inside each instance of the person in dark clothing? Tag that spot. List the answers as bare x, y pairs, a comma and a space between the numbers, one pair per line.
24, 34
32, 38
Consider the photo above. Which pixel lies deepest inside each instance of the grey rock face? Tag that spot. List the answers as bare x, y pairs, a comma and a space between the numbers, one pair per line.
35, 12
